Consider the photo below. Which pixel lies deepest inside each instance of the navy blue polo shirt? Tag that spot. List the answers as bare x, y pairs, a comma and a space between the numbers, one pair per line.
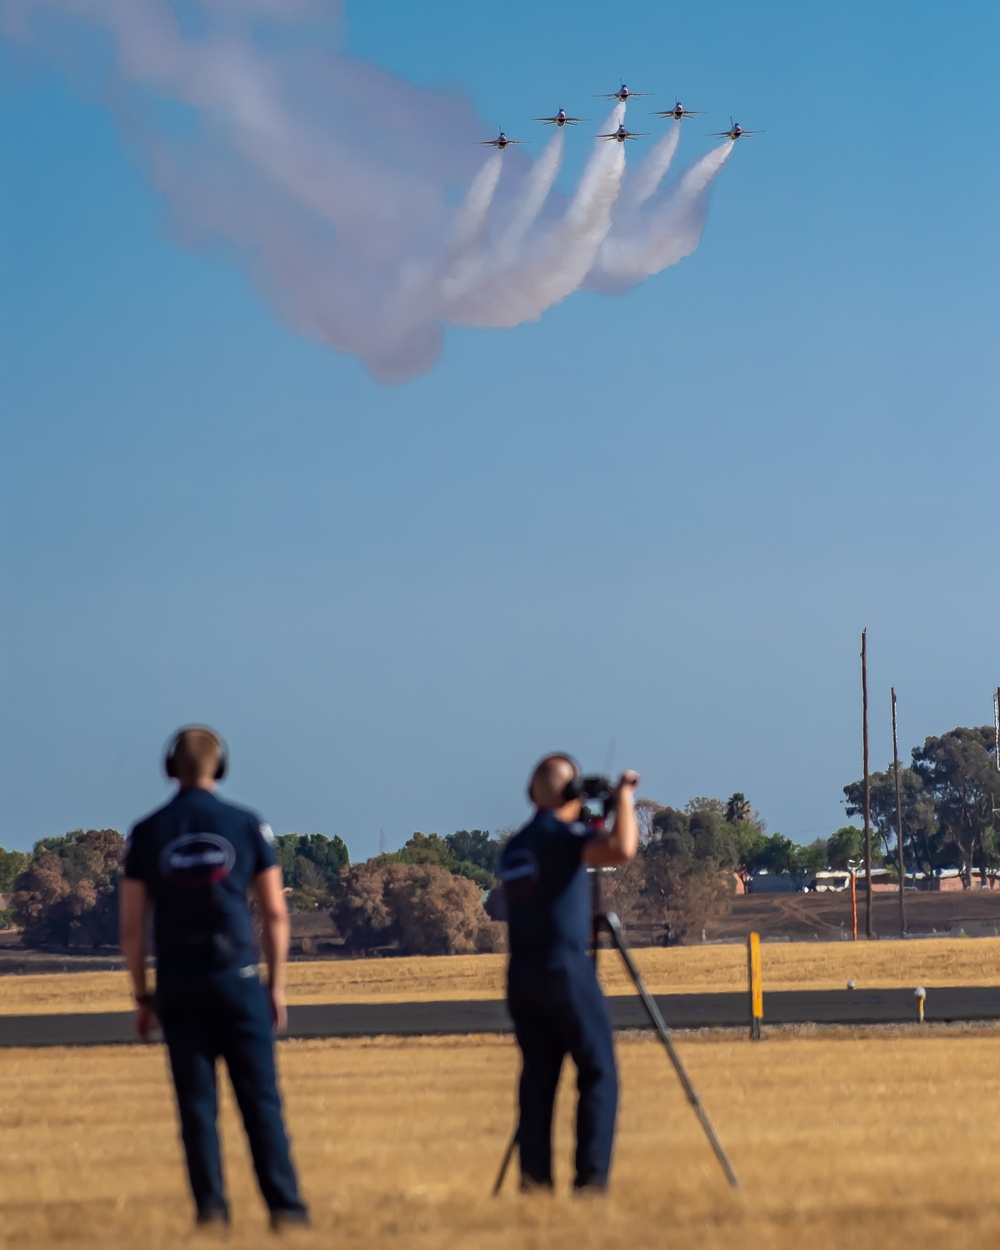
197, 856
547, 890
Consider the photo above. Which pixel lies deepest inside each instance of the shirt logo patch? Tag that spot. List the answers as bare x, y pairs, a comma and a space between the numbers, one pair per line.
197, 859
519, 873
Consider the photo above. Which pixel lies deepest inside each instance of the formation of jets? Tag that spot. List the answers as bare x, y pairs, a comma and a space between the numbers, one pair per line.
622, 95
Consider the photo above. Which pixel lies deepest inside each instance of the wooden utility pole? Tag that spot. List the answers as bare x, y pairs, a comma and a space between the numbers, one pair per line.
899, 822
996, 722
868, 787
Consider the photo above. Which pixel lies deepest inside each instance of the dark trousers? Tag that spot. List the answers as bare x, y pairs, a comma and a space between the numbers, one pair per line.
560, 1010
227, 1016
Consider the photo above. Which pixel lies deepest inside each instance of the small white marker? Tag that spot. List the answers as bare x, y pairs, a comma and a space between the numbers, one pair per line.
850, 984
920, 994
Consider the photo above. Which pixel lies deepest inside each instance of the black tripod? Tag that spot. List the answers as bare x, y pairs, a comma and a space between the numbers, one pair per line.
608, 922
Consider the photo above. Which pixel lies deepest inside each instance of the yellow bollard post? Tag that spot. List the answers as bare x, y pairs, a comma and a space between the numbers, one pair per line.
920, 994
756, 985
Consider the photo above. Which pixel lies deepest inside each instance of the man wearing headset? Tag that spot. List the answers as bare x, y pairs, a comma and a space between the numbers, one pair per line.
552, 988
191, 864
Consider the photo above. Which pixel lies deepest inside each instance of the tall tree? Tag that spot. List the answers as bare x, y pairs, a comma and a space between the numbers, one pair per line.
738, 808
311, 863
959, 772
688, 867
645, 813
12, 864
749, 843
431, 848
845, 844
475, 846
811, 859
68, 895
919, 824
420, 909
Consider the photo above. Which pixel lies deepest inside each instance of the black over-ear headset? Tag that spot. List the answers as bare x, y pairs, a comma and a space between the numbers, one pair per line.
170, 759
573, 789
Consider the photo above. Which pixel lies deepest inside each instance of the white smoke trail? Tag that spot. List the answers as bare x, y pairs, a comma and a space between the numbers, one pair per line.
538, 186
664, 233
472, 219
337, 182
655, 167
555, 264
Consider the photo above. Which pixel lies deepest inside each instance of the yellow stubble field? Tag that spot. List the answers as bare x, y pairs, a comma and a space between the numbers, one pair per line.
679, 970
843, 1138
867, 1140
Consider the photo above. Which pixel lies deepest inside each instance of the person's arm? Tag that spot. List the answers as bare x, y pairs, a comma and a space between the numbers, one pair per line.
622, 842
275, 933
133, 902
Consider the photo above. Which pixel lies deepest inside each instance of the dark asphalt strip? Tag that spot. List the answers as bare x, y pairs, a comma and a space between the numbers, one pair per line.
681, 1011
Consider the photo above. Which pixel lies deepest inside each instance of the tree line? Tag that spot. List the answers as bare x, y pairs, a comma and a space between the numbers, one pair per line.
427, 897
440, 895
949, 804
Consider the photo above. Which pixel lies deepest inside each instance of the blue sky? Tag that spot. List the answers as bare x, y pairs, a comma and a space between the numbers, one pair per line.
658, 520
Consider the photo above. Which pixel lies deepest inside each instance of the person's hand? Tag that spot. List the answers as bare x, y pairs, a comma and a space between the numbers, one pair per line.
628, 780
146, 1021
279, 1010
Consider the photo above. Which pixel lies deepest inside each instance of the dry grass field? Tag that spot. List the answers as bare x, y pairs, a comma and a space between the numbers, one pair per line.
685, 969
869, 1141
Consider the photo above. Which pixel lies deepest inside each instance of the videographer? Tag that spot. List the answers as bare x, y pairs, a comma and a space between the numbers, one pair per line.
191, 864
553, 993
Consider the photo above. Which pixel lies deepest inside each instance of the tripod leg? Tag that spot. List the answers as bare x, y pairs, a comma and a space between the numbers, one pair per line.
505, 1164
613, 925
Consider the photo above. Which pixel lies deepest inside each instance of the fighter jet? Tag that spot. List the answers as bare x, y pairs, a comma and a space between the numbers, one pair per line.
735, 132
677, 112
560, 119
621, 134
500, 142
621, 95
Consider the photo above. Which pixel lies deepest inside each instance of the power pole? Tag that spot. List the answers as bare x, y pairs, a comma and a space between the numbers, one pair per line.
868, 788
996, 721
899, 822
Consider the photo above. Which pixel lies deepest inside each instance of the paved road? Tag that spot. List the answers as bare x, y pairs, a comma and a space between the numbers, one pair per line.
681, 1011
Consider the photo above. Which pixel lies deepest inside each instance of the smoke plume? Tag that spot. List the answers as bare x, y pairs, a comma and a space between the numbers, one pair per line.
361, 204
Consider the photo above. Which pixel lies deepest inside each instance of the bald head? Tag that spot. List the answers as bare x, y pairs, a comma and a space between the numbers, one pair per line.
549, 780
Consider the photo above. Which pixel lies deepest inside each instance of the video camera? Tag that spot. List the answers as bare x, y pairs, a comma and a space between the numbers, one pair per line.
591, 790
